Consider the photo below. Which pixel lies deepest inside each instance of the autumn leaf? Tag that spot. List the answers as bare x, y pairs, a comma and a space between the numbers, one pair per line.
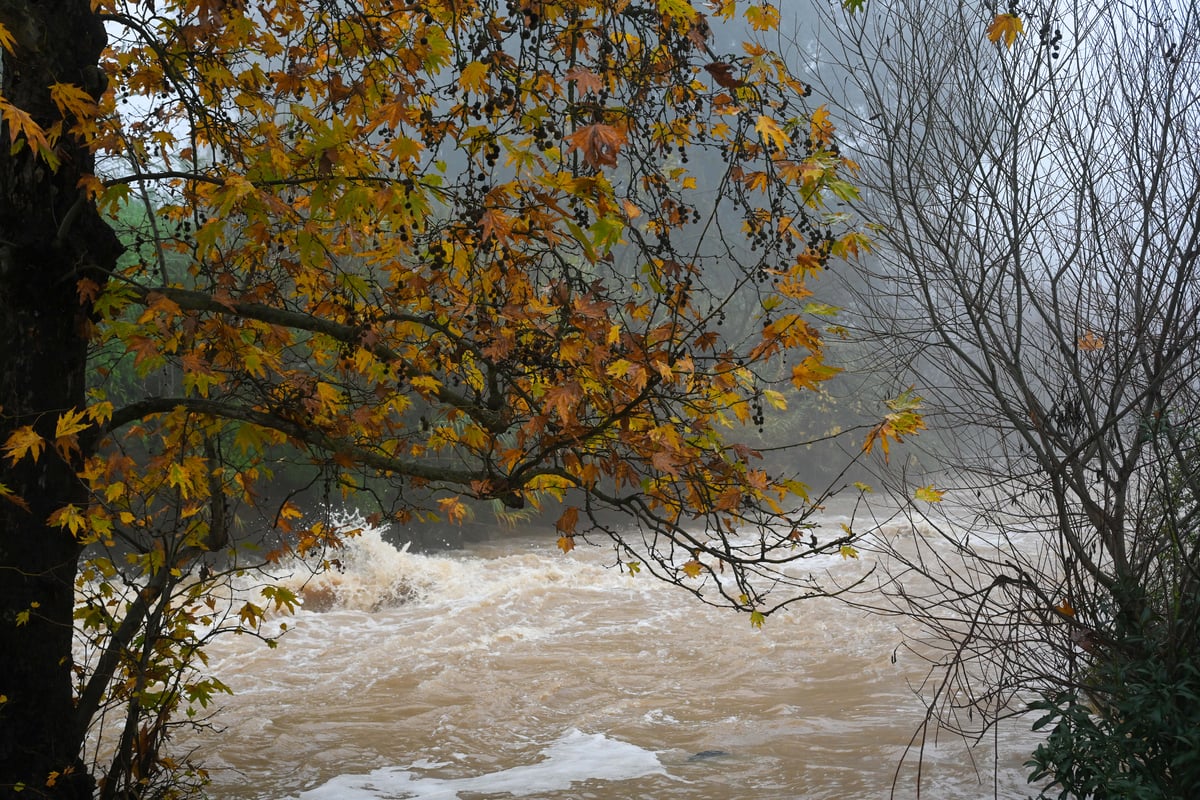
474, 77
567, 521
821, 126
692, 568
585, 80
496, 225
10, 496
763, 16
1090, 342
722, 73
23, 441
1006, 27
70, 423
566, 543
1065, 608
929, 494
455, 510
599, 144
770, 131
71, 100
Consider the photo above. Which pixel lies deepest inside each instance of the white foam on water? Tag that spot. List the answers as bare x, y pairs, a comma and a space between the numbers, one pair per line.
575, 757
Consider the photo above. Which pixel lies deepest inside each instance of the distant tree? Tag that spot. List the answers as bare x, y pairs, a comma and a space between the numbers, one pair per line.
455, 246
1036, 206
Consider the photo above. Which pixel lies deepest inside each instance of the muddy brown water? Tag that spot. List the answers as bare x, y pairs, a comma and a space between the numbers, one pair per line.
512, 670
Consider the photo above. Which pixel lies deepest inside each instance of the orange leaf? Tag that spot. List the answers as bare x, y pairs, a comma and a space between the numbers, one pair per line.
585, 80
566, 543
566, 523
599, 144
1006, 27
496, 224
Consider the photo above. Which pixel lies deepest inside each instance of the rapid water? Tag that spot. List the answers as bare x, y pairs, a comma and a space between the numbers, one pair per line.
512, 670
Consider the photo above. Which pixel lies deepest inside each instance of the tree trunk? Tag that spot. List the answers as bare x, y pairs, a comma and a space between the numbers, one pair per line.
50, 237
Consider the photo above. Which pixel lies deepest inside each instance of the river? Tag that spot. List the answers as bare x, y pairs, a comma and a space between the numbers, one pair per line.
509, 669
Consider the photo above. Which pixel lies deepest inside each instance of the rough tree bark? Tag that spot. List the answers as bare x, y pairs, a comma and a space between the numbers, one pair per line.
50, 237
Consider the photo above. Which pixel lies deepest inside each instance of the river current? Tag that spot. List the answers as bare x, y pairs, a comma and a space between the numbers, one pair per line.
512, 670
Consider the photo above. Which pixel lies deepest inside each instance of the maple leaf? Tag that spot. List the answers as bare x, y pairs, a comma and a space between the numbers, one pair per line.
599, 144
1090, 342
1006, 27
562, 399
929, 494
12, 497
585, 80
72, 100
495, 224
21, 441
692, 568
567, 522
566, 543
722, 73
70, 423
770, 131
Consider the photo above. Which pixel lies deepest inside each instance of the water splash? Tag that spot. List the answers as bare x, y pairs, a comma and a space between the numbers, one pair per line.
575, 757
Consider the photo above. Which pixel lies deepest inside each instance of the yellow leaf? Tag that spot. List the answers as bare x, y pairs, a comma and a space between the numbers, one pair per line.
70, 423
69, 517
12, 497
21, 441
1006, 27
72, 100
848, 552
821, 127
770, 131
566, 543
757, 618
692, 568
929, 494
763, 16
474, 77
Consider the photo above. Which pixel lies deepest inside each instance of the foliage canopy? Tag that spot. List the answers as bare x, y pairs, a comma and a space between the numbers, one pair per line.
518, 251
